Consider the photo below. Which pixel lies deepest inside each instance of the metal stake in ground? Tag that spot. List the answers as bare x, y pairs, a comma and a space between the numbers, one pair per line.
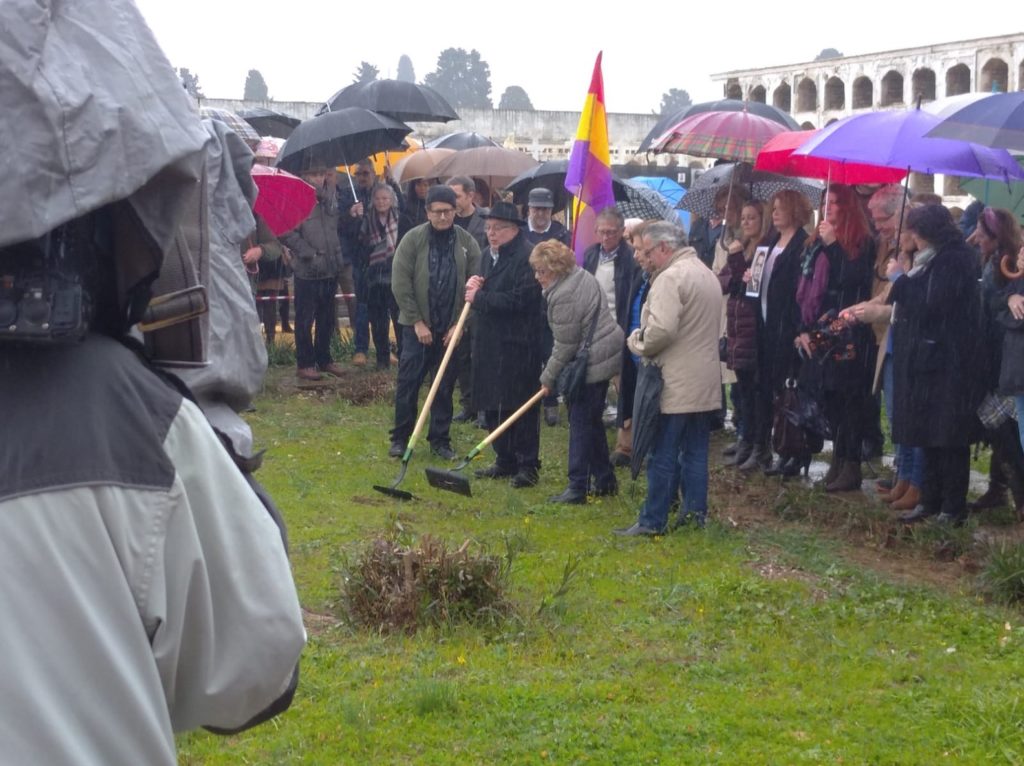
393, 491
451, 480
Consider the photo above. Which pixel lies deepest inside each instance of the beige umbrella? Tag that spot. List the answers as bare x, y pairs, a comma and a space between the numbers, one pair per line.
419, 164
494, 163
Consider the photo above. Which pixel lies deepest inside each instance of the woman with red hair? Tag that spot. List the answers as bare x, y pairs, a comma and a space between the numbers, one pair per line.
836, 273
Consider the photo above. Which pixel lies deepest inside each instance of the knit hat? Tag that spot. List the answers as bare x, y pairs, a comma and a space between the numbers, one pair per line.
441, 194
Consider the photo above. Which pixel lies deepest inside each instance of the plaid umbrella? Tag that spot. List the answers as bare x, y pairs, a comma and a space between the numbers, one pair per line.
244, 130
725, 135
645, 203
700, 199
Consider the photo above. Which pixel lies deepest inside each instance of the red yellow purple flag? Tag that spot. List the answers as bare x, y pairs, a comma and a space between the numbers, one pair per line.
589, 177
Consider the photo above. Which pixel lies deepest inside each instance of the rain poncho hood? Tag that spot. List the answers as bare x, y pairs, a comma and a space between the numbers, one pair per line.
91, 112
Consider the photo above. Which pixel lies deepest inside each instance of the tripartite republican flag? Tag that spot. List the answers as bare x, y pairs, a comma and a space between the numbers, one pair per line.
589, 177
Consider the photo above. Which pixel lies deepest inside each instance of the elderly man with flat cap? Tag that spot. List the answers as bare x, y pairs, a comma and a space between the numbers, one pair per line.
506, 303
540, 225
428, 279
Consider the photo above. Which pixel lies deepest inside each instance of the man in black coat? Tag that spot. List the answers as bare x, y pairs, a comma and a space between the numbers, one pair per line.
506, 345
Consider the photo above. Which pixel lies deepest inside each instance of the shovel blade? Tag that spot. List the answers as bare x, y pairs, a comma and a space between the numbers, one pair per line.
449, 481
398, 494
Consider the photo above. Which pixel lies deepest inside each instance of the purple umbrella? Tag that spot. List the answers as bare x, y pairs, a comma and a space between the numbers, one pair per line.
896, 139
996, 120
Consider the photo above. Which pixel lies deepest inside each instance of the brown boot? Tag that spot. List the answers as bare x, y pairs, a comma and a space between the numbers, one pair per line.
834, 466
849, 478
896, 492
908, 501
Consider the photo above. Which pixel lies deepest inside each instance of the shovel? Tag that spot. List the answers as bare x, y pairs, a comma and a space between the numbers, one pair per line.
451, 480
392, 490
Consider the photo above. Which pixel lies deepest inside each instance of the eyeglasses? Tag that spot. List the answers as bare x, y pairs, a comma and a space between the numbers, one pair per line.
645, 252
608, 232
443, 213
363, 172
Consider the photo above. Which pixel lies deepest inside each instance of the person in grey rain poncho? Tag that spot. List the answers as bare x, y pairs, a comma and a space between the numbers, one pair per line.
145, 588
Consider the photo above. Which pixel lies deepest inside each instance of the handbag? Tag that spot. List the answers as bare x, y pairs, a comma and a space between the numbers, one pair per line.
797, 423
573, 377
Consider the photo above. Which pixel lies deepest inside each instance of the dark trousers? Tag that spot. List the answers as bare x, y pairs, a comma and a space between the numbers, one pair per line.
518, 448
465, 356
414, 364
383, 312
744, 399
947, 472
845, 411
361, 321
547, 343
588, 445
266, 307
285, 304
314, 305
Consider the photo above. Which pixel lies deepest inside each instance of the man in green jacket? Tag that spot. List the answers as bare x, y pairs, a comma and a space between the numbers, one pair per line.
428, 279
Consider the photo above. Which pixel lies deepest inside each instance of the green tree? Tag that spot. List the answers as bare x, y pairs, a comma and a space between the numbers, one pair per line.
674, 100
365, 73
405, 71
190, 82
255, 87
462, 78
515, 97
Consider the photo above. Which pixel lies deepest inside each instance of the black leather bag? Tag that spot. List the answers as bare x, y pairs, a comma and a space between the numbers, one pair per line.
573, 377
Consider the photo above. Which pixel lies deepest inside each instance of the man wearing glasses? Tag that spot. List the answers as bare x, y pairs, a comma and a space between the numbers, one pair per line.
506, 345
428, 279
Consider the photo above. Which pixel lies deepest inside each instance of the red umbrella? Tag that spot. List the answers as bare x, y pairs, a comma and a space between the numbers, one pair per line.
777, 156
284, 201
725, 135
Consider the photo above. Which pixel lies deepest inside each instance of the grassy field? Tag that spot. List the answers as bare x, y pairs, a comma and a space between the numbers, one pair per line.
797, 628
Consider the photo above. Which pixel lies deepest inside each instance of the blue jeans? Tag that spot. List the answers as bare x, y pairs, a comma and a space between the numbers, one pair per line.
679, 458
909, 460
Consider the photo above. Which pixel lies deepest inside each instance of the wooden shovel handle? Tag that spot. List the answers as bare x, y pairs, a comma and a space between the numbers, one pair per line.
507, 423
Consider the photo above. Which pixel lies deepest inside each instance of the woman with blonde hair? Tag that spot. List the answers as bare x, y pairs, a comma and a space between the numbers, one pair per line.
577, 312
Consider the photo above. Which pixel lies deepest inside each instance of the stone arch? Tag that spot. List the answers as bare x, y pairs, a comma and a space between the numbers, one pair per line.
958, 80
806, 125
758, 94
733, 89
834, 119
835, 93
863, 93
807, 96
892, 88
782, 97
995, 76
922, 85
1020, 76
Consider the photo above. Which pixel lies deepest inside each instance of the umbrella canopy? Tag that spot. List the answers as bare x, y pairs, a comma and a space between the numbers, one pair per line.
464, 139
405, 101
777, 156
722, 105
645, 203
944, 107
284, 201
550, 175
998, 194
419, 164
339, 138
244, 130
666, 187
268, 148
383, 160
700, 199
896, 139
646, 409
496, 164
725, 135
267, 122
997, 121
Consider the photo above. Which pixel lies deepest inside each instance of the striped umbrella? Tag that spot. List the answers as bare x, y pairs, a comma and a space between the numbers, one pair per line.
245, 131
723, 135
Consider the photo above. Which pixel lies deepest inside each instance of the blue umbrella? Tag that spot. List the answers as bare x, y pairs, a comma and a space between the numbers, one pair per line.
669, 189
996, 121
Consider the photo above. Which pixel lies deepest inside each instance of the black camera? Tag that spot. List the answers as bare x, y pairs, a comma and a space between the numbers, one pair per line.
42, 296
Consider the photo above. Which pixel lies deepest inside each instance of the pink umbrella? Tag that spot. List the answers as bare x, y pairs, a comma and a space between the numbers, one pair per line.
284, 201
725, 135
777, 156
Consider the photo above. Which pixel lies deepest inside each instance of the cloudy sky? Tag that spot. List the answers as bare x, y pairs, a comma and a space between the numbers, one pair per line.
308, 49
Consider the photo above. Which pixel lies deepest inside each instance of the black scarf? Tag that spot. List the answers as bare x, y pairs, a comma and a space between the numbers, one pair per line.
442, 271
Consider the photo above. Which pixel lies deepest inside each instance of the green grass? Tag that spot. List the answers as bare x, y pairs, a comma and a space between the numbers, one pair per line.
755, 644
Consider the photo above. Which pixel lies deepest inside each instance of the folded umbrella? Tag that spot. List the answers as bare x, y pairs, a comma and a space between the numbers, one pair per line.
463, 139
284, 201
419, 164
700, 199
777, 156
405, 101
646, 413
721, 105
996, 121
340, 138
724, 135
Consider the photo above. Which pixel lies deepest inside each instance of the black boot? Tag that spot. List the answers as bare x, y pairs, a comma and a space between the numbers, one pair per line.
743, 451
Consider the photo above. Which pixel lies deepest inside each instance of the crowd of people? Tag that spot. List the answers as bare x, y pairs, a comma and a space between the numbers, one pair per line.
873, 297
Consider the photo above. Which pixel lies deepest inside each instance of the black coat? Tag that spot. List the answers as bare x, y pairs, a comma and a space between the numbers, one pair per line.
936, 325
628, 373
1011, 371
777, 357
625, 270
740, 315
849, 283
556, 231
506, 333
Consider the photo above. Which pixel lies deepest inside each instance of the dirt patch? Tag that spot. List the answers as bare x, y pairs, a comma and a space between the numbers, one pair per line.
319, 624
357, 386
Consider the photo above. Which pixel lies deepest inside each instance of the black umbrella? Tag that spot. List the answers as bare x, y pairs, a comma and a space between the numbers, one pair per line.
551, 175
270, 123
404, 101
722, 105
646, 410
340, 138
463, 139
